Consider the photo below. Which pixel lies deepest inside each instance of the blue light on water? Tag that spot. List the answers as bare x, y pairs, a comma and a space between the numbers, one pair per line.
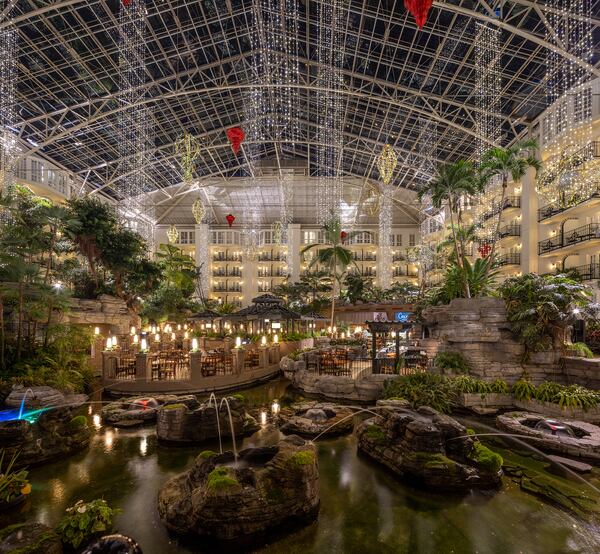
16, 414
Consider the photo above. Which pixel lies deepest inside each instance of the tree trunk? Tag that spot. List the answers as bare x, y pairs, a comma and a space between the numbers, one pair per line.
459, 255
2, 335
20, 323
497, 232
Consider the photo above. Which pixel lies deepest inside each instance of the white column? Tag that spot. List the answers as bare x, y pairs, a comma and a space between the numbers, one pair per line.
202, 236
293, 255
529, 224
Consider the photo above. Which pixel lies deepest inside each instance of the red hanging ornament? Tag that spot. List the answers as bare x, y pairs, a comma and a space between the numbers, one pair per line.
343, 235
230, 219
419, 9
126, 2
484, 250
236, 136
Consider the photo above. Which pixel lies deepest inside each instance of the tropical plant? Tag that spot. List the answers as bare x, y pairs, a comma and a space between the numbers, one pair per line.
357, 287
226, 308
523, 389
499, 387
423, 389
451, 183
451, 362
580, 350
576, 396
335, 257
469, 385
511, 162
83, 521
12, 483
539, 308
547, 392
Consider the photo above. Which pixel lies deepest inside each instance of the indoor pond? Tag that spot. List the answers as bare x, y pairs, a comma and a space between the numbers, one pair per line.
363, 507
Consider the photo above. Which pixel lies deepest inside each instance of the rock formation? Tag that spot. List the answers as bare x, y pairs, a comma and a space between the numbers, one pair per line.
316, 418
270, 489
131, 412
181, 424
430, 448
57, 433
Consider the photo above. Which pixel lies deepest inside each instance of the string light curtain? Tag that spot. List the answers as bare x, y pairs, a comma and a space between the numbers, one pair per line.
8, 87
330, 82
386, 164
488, 121
567, 129
135, 207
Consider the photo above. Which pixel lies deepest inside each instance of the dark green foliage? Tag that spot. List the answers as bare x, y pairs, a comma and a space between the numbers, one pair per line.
539, 306
523, 389
423, 389
579, 349
451, 362
85, 520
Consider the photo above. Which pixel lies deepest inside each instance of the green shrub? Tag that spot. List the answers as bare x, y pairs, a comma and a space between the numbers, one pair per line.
302, 458
486, 459
579, 349
78, 422
547, 392
576, 396
452, 362
423, 389
84, 520
469, 385
219, 479
523, 389
499, 387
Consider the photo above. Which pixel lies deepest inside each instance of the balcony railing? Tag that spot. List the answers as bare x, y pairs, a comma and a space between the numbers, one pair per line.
574, 236
510, 231
270, 257
510, 259
364, 257
227, 273
509, 202
276, 273
223, 257
549, 210
587, 272
227, 288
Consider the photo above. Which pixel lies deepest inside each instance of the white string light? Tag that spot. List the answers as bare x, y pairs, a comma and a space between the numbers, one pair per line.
135, 207
329, 136
8, 114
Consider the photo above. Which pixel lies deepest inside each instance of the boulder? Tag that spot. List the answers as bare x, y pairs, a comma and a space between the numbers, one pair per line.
29, 538
317, 418
42, 397
178, 423
269, 490
430, 448
114, 544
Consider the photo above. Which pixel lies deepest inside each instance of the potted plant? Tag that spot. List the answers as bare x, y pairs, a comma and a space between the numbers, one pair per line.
14, 486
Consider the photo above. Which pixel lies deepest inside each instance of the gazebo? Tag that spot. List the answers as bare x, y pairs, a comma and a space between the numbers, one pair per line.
267, 312
312, 318
206, 316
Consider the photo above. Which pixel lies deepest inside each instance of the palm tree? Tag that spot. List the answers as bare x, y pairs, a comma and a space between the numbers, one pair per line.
514, 162
451, 183
335, 257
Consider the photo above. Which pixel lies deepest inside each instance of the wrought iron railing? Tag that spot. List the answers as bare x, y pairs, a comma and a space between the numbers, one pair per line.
513, 258
549, 210
587, 272
567, 238
510, 231
509, 202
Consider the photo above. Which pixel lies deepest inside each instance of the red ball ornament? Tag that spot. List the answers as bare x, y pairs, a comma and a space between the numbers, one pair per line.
344, 235
236, 136
484, 250
419, 9
230, 219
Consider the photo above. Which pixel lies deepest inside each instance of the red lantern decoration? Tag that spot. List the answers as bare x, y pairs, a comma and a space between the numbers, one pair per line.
484, 249
419, 9
343, 235
236, 136
230, 219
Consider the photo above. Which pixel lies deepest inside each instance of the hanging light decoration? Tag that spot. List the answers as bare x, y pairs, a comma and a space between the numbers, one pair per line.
198, 211
8, 115
173, 234
277, 232
419, 10
135, 207
230, 219
236, 136
188, 149
386, 163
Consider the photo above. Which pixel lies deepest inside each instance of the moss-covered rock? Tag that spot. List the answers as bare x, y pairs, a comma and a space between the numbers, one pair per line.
487, 459
302, 458
206, 454
29, 538
78, 422
220, 479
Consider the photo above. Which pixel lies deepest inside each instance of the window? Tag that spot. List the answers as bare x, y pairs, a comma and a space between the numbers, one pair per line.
37, 169
561, 118
187, 237
398, 240
309, 237
412, 240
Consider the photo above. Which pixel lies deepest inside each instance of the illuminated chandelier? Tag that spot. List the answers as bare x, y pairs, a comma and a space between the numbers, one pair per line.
386, 163
188, 148
173, 234
198, 211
